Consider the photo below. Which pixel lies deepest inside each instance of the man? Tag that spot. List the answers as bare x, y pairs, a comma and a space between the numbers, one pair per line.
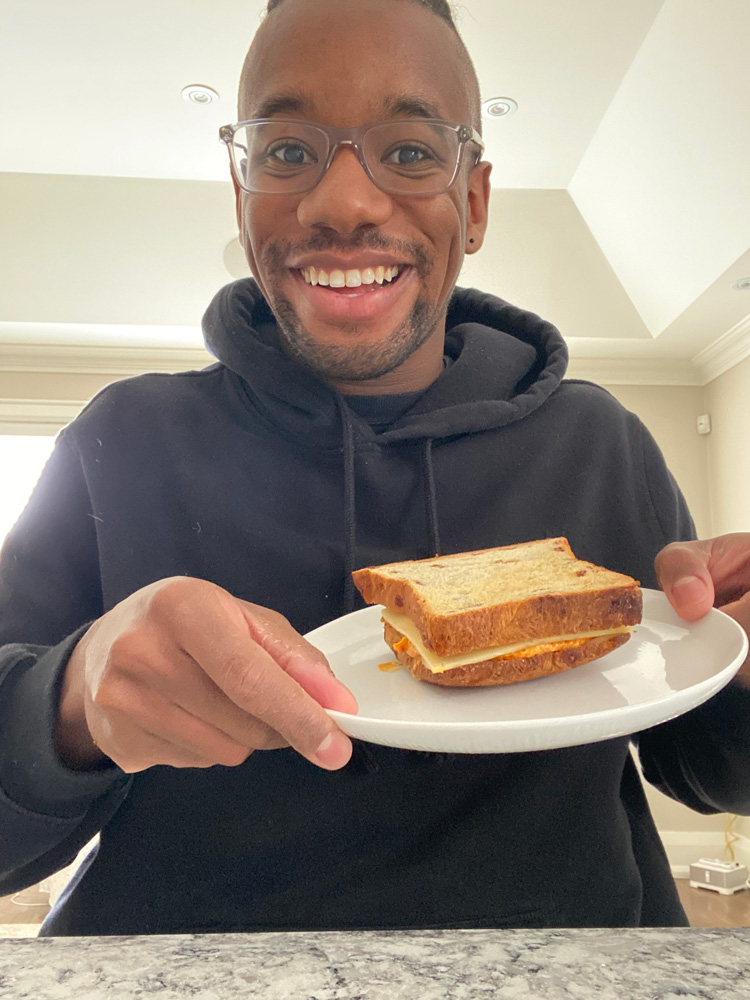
361, 411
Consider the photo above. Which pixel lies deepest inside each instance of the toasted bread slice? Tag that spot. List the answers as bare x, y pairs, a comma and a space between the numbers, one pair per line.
496, 597
536, 662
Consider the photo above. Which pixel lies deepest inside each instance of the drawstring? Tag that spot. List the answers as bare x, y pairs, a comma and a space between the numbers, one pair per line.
350, 527
363, 760
432, 518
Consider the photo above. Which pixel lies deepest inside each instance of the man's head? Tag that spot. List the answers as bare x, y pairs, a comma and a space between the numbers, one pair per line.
345, 63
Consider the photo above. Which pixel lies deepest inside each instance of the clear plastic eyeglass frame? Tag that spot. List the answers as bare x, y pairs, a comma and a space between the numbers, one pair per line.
354, 137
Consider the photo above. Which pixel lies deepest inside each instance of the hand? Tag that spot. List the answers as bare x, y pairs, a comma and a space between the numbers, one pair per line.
182, 673
713, 572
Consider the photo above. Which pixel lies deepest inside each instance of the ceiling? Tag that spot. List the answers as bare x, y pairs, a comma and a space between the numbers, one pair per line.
633, 118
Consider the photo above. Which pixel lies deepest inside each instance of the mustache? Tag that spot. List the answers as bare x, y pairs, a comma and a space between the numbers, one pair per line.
275, 255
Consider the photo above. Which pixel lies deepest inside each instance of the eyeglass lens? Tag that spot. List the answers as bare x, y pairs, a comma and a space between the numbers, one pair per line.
402, 157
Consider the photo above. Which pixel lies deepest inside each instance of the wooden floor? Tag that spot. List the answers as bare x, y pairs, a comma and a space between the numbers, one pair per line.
703, 907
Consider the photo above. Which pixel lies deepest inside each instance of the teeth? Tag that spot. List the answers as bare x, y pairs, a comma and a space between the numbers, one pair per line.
351, 278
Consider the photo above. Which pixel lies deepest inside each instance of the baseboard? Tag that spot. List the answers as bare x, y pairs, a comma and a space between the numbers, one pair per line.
685, 847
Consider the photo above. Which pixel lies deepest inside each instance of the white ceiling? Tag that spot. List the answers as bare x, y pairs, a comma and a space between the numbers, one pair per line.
101, 82
638, 109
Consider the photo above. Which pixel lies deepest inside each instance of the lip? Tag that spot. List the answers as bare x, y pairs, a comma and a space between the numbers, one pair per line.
354, 305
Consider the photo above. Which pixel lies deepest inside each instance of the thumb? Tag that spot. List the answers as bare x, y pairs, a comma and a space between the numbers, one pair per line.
682, 571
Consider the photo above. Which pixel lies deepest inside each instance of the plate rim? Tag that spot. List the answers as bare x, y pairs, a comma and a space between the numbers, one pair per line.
718, 681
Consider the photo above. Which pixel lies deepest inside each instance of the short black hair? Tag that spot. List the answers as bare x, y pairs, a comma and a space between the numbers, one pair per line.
439, 7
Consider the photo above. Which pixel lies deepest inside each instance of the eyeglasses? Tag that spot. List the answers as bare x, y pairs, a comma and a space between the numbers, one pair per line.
413, 156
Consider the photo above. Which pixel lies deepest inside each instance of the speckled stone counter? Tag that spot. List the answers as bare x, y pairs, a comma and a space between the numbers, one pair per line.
393, 965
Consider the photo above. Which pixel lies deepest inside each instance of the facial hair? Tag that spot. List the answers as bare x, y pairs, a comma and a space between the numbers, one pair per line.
352, 362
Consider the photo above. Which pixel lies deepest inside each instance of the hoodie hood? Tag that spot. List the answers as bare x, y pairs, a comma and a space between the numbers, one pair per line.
505, 362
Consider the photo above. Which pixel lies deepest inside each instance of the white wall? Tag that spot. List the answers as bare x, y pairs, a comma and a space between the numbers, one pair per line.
728, 472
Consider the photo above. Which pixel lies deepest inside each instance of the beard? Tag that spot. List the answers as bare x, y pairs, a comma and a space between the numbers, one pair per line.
354, 362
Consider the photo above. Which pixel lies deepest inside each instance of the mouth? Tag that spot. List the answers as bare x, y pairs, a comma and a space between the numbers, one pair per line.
355, 294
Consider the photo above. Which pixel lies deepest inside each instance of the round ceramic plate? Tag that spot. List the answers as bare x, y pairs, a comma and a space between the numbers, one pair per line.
667, 667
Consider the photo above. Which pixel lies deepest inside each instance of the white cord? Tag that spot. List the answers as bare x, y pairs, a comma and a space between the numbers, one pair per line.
14, 900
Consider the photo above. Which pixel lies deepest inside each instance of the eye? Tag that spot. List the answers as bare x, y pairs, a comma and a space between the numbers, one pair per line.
291, 154
408, 154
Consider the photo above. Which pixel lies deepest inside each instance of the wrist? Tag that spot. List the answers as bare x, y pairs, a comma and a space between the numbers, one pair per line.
74, 743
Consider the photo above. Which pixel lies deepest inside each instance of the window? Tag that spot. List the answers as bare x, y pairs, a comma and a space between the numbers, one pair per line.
22, 459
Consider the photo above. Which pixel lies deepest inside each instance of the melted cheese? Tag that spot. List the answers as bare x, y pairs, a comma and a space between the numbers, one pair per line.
438, 664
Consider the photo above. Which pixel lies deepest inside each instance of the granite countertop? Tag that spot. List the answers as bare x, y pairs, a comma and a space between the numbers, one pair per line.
656, 964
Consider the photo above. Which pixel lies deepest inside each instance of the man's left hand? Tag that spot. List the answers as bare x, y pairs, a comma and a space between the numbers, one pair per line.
712, 572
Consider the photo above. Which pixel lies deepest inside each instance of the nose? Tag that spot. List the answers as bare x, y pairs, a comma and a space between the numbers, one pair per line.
345, 198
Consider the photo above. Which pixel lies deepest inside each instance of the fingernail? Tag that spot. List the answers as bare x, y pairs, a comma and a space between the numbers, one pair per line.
689, 590
334, 751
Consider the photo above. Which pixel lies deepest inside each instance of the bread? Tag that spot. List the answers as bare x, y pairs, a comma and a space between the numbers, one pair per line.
466, 605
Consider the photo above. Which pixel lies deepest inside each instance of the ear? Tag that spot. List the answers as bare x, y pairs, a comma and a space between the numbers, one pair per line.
478, 200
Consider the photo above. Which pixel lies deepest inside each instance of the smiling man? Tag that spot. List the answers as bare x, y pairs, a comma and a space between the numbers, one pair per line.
407, 195
155, 685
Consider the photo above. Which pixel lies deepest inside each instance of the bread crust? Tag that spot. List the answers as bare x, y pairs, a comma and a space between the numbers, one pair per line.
516, 621
489, 673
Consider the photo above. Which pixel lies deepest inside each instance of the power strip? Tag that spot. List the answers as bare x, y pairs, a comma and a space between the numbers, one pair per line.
726, 877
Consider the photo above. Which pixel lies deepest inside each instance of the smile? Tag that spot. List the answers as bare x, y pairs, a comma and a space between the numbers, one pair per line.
375, 294
351, 278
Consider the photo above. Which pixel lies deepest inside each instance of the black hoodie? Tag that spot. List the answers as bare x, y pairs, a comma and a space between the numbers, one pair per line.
255, 475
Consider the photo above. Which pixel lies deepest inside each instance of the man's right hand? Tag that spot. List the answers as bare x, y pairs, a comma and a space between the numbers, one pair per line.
182, 673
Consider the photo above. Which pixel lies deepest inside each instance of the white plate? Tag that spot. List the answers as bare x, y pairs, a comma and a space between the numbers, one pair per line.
667, 667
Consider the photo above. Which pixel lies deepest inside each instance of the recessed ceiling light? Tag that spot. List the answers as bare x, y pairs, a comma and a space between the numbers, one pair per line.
743, 285
499, 107
198, 94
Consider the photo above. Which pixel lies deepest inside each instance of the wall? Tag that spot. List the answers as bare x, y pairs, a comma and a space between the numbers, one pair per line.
728, 402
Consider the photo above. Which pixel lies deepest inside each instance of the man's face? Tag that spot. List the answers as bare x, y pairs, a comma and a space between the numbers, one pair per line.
346, 64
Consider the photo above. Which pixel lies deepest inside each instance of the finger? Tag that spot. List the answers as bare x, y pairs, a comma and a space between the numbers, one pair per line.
129, 707
134, 749
298, 657
252, 679
146, 661
182, 682
740, 611
683, 574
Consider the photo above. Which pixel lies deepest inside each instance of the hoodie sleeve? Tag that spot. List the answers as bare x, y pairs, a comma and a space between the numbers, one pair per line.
702, 758
49, 591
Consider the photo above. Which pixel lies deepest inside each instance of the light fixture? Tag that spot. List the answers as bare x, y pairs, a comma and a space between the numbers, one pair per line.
196, 93
743, 285
499, 107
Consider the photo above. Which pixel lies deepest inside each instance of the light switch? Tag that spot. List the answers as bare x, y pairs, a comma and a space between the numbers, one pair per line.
704, 423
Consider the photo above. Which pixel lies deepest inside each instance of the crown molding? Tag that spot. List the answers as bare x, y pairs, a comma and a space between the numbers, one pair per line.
725, 352
134, 359
634, 371
101, 359
37, 416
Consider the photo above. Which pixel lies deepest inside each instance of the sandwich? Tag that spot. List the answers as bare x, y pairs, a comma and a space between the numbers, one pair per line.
503, 615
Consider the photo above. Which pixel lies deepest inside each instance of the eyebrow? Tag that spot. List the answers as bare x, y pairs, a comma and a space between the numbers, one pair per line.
295, 102
283, 103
